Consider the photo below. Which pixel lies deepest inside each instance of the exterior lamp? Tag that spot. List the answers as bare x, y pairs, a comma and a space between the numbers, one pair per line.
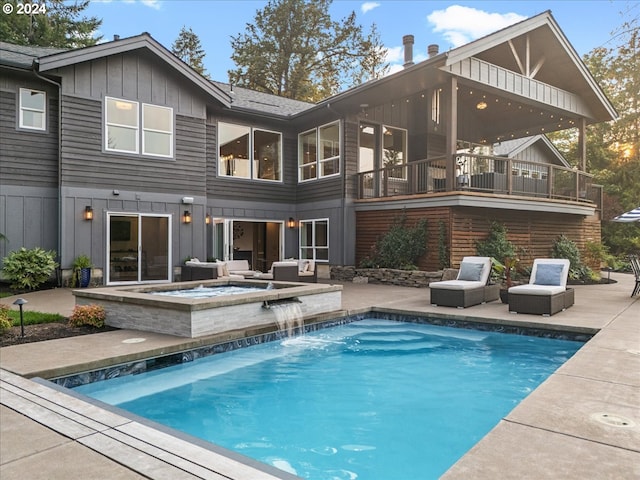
88, 213
481, 105
20, 302
207, 219
186, 216
291, 223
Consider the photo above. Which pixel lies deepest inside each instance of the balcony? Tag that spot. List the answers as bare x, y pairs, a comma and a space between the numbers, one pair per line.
481, 173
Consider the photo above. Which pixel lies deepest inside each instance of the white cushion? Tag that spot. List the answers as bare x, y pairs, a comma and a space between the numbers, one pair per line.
537, 289
238, 265
457, 285
486, 269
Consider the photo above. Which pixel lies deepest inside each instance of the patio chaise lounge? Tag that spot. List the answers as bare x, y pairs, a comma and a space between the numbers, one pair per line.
469, 288
292, 271
547, 292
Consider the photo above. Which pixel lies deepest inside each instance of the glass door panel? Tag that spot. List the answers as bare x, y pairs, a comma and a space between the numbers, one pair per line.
123, 248
154, 242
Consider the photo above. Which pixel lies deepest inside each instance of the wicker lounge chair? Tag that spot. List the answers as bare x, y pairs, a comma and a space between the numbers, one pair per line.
635, 267
469, 288
547, 292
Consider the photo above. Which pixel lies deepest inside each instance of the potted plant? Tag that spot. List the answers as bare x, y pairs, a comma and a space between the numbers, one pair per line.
505, 271
81, 271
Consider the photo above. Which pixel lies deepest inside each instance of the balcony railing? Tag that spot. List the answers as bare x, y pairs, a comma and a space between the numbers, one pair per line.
481, 173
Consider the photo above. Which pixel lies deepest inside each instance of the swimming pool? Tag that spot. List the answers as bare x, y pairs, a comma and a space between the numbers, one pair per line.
368, 400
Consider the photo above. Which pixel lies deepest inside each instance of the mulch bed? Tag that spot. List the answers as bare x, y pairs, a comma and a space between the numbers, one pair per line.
46, 331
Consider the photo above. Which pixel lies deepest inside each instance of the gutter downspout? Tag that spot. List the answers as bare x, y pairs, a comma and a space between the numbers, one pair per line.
34, 69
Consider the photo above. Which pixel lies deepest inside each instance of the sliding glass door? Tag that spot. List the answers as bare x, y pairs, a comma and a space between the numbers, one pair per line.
139, 248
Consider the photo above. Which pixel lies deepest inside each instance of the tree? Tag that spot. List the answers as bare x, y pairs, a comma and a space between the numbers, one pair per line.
188, 48
55, 23
294, 49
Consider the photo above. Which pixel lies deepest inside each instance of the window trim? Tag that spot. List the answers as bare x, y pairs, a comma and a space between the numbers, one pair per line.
22, 109
107, 124
143, 130
250, 148
319, 162
314, 248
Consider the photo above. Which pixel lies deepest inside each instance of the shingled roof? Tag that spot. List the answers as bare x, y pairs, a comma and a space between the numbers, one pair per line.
22, 56
250, 100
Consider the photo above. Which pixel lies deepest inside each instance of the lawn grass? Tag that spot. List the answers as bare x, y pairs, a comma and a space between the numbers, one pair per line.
34, 318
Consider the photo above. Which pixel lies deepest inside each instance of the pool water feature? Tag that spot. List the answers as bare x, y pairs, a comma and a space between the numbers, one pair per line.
238, 308
368, 400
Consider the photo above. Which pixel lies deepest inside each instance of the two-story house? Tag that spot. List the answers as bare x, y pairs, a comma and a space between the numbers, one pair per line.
122, 152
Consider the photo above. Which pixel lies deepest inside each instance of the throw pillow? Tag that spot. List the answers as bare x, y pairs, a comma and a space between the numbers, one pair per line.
548, 274
471, 272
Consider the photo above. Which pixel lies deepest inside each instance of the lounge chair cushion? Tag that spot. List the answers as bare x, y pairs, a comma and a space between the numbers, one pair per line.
533, 289
549, 274
457, 285
470, 271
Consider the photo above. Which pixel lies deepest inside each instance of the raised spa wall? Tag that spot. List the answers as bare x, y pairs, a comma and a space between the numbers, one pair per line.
132, 307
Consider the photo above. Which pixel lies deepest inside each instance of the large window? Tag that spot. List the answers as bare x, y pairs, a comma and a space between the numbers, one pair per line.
33, 109
122, 128
319, 152
249, 152
381, 146
314, 239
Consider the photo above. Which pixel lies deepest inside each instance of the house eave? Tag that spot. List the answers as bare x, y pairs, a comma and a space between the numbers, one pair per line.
477, 200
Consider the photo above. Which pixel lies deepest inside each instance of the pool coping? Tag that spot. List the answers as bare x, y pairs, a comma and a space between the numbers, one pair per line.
524, 444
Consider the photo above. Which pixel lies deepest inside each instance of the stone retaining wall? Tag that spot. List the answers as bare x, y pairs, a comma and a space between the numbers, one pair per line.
388, 276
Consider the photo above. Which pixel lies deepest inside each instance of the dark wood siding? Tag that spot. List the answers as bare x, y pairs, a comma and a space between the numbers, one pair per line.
28, 158
533, 233
85, 164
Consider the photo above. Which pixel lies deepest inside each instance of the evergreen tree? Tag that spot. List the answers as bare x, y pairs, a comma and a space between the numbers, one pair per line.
188, 48
57, 23
294, 49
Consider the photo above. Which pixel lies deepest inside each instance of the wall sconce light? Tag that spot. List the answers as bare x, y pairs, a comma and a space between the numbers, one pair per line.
186, 216
88, 213
481, 105
291, 223
207, 219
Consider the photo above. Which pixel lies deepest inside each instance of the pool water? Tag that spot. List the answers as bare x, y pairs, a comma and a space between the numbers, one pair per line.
208, 292
373, 399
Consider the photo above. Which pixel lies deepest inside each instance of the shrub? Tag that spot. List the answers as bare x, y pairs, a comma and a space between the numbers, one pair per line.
29, 268
400, 247
87, 315
443, 251
563, 247
501, 250
5, 321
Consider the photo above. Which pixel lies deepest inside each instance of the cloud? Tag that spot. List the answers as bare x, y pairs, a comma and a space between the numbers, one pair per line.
460, 25
367, 6
155, 4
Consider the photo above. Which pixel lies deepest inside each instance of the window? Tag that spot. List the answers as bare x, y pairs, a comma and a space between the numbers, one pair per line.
157, 130
123, 132
319, 152
33, 110
121, 125
249, 153
394, 151
314, 240
381, 146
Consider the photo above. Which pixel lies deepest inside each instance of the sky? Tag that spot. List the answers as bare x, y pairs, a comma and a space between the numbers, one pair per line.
587, 24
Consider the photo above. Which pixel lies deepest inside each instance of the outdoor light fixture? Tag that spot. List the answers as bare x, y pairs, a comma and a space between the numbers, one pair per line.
186, 216
207, 219
88, 213
481, 105
291, 223
20, 302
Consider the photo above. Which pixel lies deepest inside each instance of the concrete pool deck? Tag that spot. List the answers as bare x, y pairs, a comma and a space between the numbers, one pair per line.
582, 422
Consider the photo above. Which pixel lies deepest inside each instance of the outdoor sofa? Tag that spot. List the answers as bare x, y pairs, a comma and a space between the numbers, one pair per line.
547, 292
470, 286
291, 271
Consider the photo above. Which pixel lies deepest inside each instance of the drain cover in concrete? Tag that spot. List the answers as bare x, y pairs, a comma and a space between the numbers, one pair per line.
612, 419
134, 340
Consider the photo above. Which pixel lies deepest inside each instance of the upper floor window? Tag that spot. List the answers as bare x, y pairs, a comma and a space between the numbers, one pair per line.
249, 152
122, 128
33, 109
319, 152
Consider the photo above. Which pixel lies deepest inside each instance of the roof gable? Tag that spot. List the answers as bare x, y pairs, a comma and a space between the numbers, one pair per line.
536, 48
144, 41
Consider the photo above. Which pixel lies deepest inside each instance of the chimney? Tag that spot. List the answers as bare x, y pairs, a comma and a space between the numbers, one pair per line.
116, 37
433, 50
407, 41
